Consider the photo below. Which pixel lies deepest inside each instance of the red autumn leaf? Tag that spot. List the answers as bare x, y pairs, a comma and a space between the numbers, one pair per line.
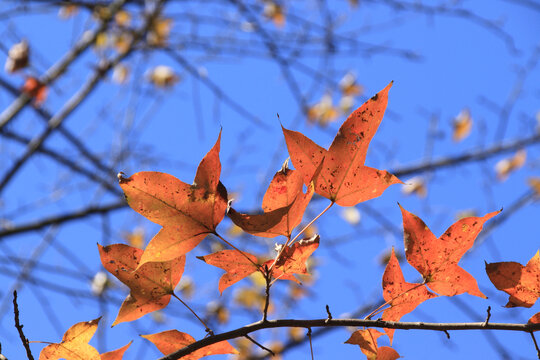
236, 265
293, 259
35, 89
535, 319
151, 284
172, 340
74, 344
437, 259
283, 204
522, 283
117, 354
187, 212
339, 173
403, 297
367, 340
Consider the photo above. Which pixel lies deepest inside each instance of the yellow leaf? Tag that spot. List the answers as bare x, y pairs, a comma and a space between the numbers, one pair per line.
120, 74
163, 76
274, 12
534, 183
415, 185
462, 125
17, 57
67, 11
504, 167
122, 18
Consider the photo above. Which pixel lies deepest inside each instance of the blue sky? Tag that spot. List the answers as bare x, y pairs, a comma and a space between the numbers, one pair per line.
469, 61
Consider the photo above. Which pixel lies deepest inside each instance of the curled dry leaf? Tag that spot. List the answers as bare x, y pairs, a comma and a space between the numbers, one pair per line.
522, 283
117, 354
415, 185
367, 340
159, 32
323, 112
437, 259
173, 340
534, 183
462, 125
151, 284
339, 173
17, 57
403, 297
74, 344
504, 167
349, 86
274, 11
284, 204
163, 76
187, 212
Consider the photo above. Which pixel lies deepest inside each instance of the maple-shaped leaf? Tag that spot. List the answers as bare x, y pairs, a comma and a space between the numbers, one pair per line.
293, 259
117, 354
367, 340
187, 212
284, 204
151, 284
240, 265
437, 259
339, 173
403, 297
522, 283
236, 265
74, 344
173, 340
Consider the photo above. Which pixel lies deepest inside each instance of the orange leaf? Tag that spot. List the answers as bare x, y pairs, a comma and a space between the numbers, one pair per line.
151, 284
35, 89
283, 204
172, 340
293, 259
403, 297
535, 319
74, 344
522, 283
187, 212
437, 259
339, 173
236, 265
367, 340
117, 354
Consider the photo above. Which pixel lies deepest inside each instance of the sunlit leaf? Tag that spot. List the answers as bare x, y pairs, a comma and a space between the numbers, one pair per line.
74, 344
172, 340
151, 284
437, 259
339, 173
188, 213
522, 283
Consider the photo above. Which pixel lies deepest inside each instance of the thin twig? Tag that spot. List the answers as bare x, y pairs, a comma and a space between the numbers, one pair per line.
268, 279
488, 315
207, 329
259, 345
535, 344
20, 327
310, 342
329, 313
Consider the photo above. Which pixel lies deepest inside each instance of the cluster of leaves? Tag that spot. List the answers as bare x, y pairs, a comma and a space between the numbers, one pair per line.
190, 212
